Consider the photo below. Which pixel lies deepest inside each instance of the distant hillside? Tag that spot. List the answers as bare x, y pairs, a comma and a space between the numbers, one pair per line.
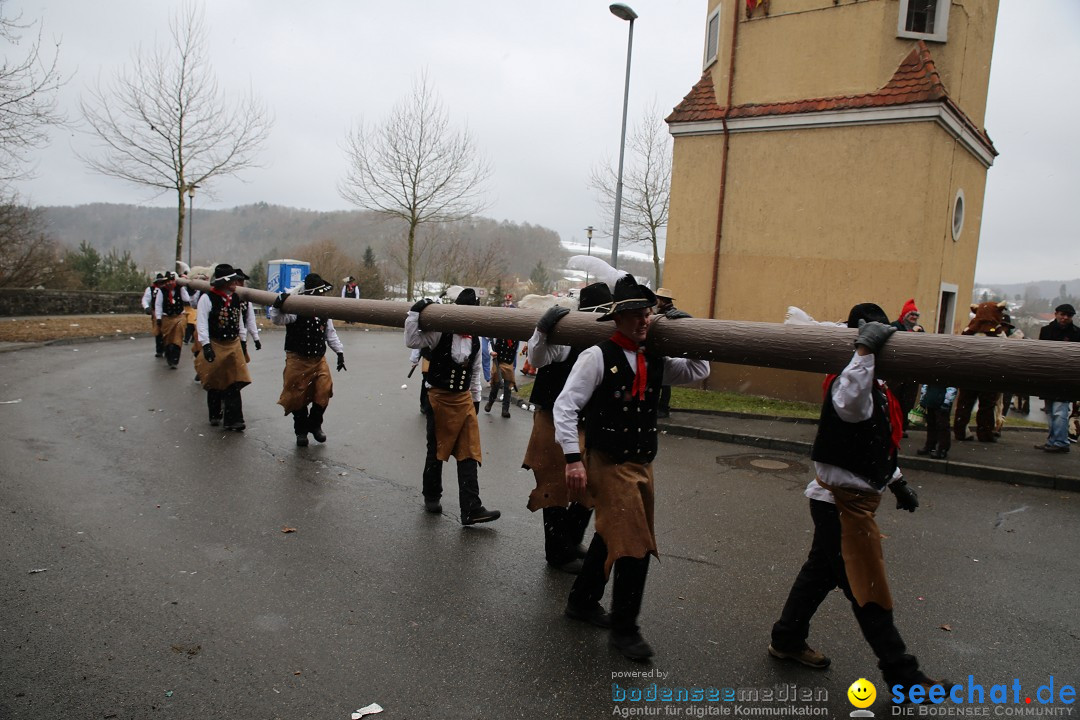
244, 235
1047, 289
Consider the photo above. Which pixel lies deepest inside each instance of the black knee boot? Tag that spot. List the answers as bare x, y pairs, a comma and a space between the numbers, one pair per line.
315, 418
300, 426
159, 346
213, 404
172, 356
234, 408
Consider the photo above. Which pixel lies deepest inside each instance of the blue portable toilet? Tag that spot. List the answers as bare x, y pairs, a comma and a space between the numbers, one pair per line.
284, 274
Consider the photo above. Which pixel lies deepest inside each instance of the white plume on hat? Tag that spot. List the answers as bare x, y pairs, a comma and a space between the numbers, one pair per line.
797, 316
545, 302
596, 267
452, 292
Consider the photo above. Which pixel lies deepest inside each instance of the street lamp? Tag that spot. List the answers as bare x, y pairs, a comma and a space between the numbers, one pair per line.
588, 234
623, 12
191, 218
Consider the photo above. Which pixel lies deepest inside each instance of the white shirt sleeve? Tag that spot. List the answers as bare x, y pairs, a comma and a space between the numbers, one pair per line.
146, 298
279, 318
417, 338
202, 319
249, 321
585, 377
332, 338
477, 377
158, 305
541, 354
681, 371
851, 392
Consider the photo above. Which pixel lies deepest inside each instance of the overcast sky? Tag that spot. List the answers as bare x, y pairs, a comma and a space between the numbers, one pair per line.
539, 84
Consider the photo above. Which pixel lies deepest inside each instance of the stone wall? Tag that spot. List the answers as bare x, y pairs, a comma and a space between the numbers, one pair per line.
67, 302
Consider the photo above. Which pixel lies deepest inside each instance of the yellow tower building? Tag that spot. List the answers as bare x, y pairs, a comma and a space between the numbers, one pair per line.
833, 152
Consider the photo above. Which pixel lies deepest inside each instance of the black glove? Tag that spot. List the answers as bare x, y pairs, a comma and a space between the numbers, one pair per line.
420, 304
676, 314
258, 345
906, 499
476, 407
280, 300
341, 362
148, 311
208, 352
552, 315
243, 346
872, 335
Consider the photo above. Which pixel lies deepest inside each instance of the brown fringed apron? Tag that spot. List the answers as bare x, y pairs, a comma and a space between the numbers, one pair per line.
456, 431
155, 326
172, 329
545, 458
860, 545
228, 366
623, 497
305, 380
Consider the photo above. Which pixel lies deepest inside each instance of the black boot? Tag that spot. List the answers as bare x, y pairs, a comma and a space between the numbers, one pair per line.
300, 426
159, 346
234, 409
472, 510
172, 356
213, 404
315, 418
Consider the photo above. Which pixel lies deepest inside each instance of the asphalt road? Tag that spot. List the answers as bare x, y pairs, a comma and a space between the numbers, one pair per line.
168, 588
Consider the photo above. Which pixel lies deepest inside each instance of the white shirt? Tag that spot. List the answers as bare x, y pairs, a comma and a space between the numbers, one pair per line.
541, 354
159, 302
332, 340
247, 324
586, 376
460, 348
853, 402
148, 293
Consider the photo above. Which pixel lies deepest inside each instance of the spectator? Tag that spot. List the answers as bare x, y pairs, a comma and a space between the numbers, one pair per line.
937, 400
907, 391
1061, 329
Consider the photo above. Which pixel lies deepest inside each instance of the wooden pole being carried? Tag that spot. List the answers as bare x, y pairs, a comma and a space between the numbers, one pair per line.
1027, 367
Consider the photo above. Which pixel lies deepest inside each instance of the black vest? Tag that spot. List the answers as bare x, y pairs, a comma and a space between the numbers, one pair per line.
354, 293
171, 308
863, 447
550, 380
224, 320
621, 426
506, 349
444, 373
306, 336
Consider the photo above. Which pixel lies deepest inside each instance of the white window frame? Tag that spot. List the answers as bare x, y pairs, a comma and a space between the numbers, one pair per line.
941, 23
950, 312
958, 228
710, 59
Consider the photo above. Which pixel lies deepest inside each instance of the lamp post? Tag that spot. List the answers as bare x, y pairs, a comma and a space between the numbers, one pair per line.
622, 12
588, 234
191, 218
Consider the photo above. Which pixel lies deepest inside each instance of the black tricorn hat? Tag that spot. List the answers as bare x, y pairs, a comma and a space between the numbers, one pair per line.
315, 285
224, 272
628, 295
868, 312
595, 297
467, 297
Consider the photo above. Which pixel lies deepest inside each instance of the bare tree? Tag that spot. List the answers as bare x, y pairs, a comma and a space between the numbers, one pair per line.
28, 256
460, 260
416, 168
164, 123
28, 89
646, 185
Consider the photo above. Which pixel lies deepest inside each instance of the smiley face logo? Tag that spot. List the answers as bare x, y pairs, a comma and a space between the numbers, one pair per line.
862, 693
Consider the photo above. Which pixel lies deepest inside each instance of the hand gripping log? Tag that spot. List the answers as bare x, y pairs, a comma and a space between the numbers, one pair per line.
1030, 367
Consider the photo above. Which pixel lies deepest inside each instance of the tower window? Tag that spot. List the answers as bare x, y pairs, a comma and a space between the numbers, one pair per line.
712, 37
924, 19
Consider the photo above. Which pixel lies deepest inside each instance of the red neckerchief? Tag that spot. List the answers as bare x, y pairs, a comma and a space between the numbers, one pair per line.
638, 390
896, 416
227, 297
170, 288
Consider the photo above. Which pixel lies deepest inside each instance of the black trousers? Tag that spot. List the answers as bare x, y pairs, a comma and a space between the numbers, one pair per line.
938, 432
665, 399
229, 400
172, 355
498, 382
627, 588
824, 571
468, 482
564, 529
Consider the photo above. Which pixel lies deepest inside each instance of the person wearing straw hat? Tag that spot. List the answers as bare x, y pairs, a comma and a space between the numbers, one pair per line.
615, 388
453, 380
220, 364
307, 385
565, 517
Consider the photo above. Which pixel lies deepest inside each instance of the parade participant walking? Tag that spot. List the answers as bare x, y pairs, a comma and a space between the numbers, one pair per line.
149, 301
854, 455
220, 364
169, 305
350, 289
1060, 329
307, 385
248, 327
565, 518
665, 305
615, 388
453, 380
504, 361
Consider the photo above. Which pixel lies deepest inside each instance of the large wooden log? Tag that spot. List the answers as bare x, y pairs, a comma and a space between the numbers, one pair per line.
1026, 367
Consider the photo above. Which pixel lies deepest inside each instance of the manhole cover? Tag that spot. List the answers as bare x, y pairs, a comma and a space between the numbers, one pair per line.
770, 464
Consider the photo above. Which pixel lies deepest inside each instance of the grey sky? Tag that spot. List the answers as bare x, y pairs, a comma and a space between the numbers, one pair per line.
540, 87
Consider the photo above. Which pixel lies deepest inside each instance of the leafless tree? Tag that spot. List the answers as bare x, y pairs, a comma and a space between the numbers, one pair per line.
28, 256
28, 89
459, 260
415, 167
646, 185
164, 122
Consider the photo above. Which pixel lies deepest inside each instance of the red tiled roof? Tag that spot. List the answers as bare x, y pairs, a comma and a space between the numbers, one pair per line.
916, 80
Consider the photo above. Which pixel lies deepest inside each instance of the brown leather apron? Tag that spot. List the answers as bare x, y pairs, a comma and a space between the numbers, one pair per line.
305, 380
